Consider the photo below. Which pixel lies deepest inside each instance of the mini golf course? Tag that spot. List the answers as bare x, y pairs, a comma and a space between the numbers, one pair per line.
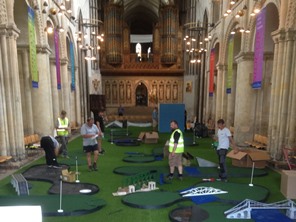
121, 162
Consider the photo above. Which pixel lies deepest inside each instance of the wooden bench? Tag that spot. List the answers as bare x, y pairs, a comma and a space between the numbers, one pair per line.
20, 184
74, 126
32, 141
4, 159
259, 142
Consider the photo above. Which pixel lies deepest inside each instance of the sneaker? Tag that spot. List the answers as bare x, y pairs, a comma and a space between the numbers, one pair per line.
169, 177
90, 168
95, 168
66, 156
222, 180
57, 166
49, 166
180, 177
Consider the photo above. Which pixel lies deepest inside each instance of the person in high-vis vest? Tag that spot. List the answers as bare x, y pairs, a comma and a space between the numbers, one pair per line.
176, 149
63, 128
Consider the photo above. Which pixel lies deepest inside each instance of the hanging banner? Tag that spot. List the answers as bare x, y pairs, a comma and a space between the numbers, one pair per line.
230, 64
212, 70
72, 66
32, 48
57, 58
259, 49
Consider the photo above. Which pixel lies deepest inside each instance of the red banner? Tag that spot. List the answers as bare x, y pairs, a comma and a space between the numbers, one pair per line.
212, 69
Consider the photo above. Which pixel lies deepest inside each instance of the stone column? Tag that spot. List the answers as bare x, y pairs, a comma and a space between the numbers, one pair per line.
18, 129
77, 98
54, 90
27, 101
66, 84
8, 98
3, 114
286, 91
231, 99
274, 120
244, 100
219, 94
42, 96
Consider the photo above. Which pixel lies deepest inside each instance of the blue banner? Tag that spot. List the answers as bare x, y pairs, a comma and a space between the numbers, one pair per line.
72, 66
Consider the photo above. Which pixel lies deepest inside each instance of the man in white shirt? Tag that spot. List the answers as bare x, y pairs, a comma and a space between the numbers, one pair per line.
224, 140
90, 134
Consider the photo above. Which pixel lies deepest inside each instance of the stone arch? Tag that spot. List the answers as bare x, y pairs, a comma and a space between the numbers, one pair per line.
3, 12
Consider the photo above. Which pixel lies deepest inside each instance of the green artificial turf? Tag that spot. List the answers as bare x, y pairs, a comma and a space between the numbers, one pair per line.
109, 182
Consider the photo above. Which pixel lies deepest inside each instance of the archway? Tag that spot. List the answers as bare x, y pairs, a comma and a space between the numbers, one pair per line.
141, 95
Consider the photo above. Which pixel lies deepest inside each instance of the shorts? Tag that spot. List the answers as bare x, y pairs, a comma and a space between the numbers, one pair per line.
176, 160
90, 148
154, 123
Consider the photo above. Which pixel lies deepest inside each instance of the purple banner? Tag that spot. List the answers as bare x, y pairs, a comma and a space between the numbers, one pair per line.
259, 49
57, 57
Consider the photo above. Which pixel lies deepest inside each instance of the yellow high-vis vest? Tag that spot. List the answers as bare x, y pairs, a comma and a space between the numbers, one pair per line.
180, 146
63, 123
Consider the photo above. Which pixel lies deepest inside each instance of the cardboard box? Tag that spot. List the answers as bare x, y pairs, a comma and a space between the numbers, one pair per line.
149, 137
247, 157
68, 176
288, 183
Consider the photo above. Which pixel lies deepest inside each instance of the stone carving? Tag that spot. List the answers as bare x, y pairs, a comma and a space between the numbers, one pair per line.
3, 12
96, 84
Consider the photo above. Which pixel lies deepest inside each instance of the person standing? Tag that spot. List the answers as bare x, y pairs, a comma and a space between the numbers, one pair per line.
90, 132
51, 148
224, 140
155, 118
176, 149
63, 129
100, 122
120, 110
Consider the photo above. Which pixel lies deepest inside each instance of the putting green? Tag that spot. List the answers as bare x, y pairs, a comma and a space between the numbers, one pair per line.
139, 159
200, 172
71, 204
160, 199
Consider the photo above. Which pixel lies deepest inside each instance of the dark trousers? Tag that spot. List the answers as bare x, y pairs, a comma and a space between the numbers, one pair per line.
47, 144
222, 157
63, 140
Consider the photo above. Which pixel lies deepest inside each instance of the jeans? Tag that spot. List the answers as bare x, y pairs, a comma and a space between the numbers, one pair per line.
63, 140
222, 157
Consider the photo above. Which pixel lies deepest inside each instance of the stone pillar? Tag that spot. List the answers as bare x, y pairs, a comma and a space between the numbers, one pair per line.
54, 90
8, 98
244, 100
66, 84
220, 91
27, 97
3, 107
76, 97
17, 125
231, 99
274, 120
285, 89
42, 96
